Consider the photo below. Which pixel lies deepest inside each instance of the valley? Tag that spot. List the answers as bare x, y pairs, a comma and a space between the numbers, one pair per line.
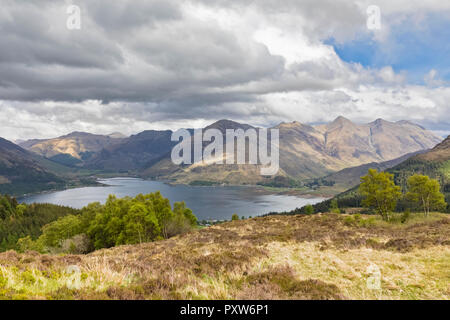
285, 240
203, 200
244, 151
323, 159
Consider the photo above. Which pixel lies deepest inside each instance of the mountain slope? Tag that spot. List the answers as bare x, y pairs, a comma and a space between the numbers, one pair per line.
306, 152
351, 144
133, 153
21, 172
205, 172
223, 125
311, 151
278, 257
439, 153
350, 177
73, 148
434, 163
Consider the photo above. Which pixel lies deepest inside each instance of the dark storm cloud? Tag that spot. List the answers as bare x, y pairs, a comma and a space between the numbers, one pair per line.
32, 37
163, 60
136, 51
126, 16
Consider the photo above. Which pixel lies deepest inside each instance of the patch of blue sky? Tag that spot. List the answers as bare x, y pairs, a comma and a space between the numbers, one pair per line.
412, 47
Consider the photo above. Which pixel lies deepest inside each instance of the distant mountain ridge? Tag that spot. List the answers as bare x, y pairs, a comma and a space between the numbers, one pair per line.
134, 153
73, 148
351, 144
312, 151
306, 151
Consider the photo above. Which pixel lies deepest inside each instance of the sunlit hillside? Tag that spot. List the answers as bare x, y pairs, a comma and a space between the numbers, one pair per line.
326, 256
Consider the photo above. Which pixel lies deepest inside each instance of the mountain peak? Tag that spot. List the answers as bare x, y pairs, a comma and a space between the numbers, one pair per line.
224, 124
380, 121
295, 126
289, 124
76, 134
340, 122
340, 119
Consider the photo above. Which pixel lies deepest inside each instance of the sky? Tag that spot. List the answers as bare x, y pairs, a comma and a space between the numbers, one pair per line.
134, 65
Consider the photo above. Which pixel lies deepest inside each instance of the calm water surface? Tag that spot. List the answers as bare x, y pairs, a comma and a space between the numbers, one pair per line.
206, 202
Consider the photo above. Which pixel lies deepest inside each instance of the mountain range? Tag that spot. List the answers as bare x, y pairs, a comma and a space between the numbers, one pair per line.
306, 152
311, 151
71, 149
22, 171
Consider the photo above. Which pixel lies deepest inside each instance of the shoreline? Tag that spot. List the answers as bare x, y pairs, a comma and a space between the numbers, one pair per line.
247, 200
86, 185
255, 189
260, 189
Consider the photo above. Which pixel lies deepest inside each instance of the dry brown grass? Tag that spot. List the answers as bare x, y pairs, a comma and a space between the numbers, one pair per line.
278, 257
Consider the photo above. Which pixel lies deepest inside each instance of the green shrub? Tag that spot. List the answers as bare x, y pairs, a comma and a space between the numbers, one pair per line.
19, 220
309, 209
78, 244
334, 208
28, 244
368, 222
358, 220
126, 220
64, 228
405, 216
349, 220
27, 277
3, 281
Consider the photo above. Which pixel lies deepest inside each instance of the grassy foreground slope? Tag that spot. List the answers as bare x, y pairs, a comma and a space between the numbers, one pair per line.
324, 256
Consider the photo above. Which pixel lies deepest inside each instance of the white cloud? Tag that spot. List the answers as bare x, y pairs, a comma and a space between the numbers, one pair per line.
160, 64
